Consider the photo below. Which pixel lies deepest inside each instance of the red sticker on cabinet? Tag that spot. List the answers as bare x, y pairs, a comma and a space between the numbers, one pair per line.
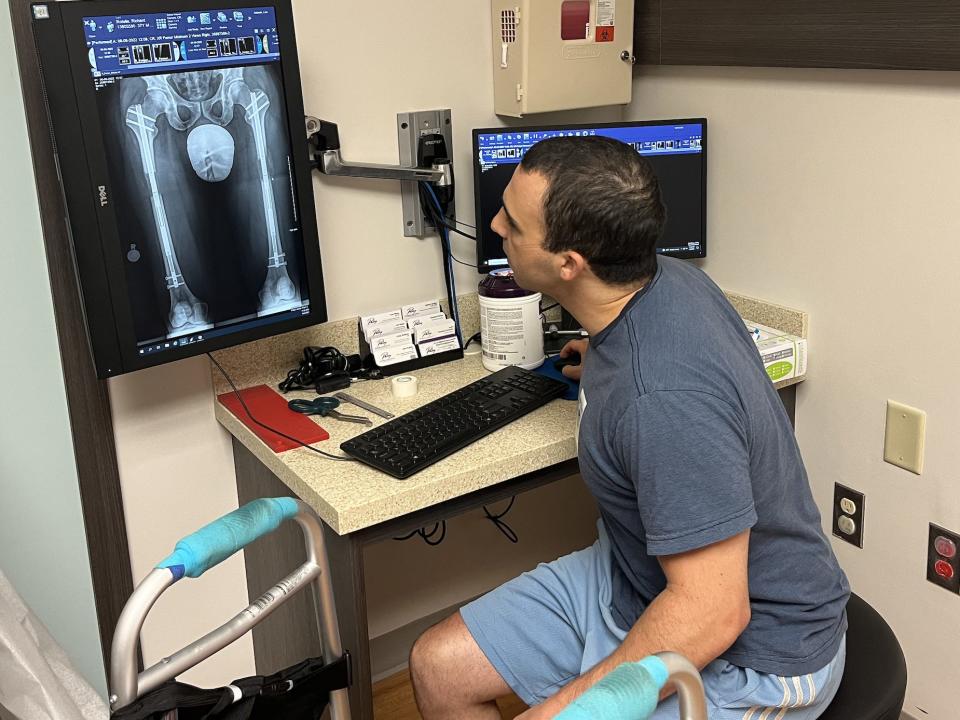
605, 33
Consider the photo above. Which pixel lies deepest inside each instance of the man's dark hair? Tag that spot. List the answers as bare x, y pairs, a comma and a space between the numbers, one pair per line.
602, 201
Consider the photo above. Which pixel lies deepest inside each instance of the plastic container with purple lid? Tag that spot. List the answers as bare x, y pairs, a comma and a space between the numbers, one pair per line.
510, 329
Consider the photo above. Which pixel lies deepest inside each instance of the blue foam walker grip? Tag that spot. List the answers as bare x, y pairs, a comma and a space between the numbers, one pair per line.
630, 692
214, 543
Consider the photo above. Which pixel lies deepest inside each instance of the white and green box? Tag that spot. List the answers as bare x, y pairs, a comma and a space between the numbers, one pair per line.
784, 356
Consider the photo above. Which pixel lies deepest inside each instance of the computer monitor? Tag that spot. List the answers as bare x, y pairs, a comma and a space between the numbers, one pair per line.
677, 149
179, 135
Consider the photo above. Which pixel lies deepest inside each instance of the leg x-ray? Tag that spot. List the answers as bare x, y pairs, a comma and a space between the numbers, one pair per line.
203, 198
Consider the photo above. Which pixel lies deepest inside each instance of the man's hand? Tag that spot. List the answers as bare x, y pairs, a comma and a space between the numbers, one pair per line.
578, 347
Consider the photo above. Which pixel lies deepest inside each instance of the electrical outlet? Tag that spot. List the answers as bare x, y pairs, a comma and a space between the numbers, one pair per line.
943, 558
848, 514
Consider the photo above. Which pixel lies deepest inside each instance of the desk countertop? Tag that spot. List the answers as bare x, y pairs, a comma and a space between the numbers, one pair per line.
350, 496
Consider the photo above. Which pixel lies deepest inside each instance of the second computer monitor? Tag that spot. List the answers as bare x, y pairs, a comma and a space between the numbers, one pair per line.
677, 150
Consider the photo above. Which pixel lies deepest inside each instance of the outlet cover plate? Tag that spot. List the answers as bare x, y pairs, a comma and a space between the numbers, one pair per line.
848, 520
903, 438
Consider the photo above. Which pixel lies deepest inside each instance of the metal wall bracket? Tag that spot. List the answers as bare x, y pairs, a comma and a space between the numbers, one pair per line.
323, 144
410, 128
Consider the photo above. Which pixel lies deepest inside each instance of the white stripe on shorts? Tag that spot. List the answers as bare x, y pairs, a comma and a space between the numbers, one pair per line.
786, 698
799, 689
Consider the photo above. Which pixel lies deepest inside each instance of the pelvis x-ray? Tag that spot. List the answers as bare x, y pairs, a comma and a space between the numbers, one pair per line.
203, 193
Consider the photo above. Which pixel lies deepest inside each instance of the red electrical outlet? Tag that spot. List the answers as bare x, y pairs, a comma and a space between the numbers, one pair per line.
943, 558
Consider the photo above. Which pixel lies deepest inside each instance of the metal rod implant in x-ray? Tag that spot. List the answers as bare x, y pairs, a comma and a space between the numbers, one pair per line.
278, 291
186, 312
255, 112
145, 128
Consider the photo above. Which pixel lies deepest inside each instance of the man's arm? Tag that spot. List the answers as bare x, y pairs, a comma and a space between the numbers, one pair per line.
703, 610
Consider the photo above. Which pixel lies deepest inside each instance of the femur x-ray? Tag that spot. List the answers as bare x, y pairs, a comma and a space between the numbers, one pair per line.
203, 189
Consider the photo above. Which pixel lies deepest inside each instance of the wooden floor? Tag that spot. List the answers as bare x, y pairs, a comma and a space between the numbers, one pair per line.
393, 700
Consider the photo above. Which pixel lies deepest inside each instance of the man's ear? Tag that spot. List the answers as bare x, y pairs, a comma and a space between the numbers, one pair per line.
572, 265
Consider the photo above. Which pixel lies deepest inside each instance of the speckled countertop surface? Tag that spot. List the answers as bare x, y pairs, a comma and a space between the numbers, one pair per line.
350, 496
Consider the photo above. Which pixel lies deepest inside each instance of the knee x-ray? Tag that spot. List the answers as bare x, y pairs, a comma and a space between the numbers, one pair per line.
203, 197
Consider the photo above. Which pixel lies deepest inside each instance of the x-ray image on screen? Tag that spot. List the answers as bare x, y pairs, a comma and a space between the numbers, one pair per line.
203, 197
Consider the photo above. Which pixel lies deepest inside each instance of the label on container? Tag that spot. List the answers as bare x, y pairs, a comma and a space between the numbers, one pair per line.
502, 334
606, 13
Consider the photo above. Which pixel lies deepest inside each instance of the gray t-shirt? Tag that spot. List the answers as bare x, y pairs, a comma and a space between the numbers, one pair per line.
684, 442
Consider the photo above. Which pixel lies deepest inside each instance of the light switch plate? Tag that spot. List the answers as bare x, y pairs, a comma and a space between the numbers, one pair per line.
904, 436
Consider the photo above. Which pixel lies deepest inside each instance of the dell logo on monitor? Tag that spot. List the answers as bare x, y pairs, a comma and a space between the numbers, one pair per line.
102, 190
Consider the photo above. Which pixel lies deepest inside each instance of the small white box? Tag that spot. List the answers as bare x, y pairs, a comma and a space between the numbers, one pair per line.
390, 341
435, 331
391, 327
394, 355
784, 357
380, 318
420, 309
415, 322
438, 346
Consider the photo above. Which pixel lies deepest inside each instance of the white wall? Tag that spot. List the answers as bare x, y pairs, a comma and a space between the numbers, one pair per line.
836, 192
43, 548
420, 55
175, 462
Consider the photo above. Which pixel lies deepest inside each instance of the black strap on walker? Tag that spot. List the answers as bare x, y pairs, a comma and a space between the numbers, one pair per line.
301, 692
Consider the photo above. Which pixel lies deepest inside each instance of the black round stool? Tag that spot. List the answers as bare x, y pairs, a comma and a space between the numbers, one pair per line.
875, 677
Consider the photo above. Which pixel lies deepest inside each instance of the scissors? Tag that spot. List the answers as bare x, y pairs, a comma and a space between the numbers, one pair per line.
326, 407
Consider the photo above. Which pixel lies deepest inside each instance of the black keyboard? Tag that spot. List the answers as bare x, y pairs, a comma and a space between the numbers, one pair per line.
420, 438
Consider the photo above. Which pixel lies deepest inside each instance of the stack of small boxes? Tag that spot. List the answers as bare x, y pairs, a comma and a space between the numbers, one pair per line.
784, 356
413, 331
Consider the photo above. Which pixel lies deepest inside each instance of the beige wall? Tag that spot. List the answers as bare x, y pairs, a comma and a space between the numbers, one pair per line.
175, 461
836, 192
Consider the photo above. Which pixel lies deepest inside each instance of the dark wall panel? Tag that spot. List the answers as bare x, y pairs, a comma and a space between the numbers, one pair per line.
881, 34
646, 37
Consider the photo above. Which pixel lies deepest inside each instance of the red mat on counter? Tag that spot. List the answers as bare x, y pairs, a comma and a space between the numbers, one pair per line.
270, 408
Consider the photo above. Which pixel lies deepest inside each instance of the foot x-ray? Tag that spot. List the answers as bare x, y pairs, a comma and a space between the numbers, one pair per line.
203, 194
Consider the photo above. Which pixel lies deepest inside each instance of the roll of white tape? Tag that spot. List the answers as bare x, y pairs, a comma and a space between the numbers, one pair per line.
403, 386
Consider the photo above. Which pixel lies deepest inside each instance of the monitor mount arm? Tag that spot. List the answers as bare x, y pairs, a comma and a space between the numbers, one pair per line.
324, 141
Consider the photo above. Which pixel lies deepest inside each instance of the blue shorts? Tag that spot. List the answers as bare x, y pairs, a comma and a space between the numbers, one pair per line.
547, 627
